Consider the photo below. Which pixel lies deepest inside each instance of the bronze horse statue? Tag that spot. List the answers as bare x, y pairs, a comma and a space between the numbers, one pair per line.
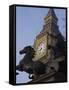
35, 68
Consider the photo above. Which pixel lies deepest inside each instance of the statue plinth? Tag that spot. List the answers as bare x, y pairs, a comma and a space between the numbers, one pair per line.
44, 78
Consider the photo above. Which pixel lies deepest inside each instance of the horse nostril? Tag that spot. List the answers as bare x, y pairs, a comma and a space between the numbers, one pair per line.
20, 52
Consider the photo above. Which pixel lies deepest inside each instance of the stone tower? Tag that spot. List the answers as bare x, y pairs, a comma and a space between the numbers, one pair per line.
49, 36
48, 39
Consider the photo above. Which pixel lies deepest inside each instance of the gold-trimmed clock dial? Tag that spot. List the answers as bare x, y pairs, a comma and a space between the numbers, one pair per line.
41, 47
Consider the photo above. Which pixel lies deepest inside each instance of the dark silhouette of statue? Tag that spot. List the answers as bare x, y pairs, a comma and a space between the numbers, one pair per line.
35, 68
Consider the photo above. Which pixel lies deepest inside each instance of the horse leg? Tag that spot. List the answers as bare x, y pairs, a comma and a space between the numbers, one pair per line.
31, 77
19, 68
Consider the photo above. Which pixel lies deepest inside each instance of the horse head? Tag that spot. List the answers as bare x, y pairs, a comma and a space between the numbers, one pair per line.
28, 50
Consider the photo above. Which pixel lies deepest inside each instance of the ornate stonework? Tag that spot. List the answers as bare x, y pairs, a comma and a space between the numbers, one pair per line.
48, 36
47, 45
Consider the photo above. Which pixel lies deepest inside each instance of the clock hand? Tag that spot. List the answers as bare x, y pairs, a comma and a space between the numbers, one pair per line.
40, 49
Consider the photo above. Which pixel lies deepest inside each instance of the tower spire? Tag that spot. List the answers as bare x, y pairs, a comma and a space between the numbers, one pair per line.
51, 17
50, 24
51, 13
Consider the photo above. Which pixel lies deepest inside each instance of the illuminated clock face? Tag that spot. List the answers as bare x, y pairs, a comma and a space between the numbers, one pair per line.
41, 50
41, 47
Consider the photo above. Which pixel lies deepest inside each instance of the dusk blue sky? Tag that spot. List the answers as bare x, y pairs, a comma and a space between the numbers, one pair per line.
29, 22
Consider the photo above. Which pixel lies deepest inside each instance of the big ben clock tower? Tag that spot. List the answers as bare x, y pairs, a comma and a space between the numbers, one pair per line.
48, 36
